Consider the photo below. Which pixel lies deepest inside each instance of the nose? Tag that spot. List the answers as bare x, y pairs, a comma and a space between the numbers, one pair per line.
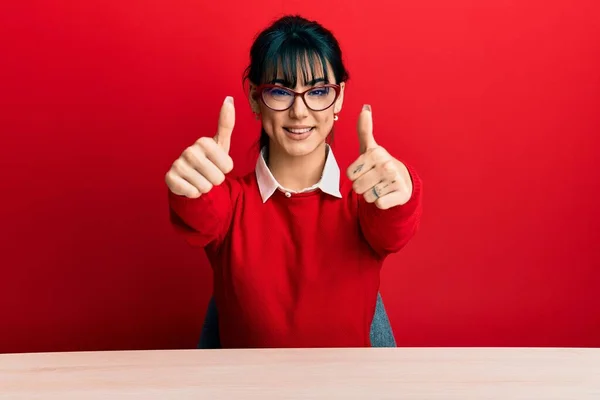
298, 110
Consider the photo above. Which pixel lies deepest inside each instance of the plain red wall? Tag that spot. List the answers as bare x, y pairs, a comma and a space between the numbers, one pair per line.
497, 104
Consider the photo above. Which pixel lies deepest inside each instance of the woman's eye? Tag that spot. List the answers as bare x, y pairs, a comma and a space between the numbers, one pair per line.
319, 92
279, 92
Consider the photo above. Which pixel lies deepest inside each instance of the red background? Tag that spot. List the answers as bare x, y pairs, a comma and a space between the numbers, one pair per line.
496, 103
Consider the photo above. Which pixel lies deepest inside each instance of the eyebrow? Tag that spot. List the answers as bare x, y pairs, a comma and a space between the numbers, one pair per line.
309, 83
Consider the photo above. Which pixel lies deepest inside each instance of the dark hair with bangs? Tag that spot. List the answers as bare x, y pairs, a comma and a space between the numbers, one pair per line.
287, 43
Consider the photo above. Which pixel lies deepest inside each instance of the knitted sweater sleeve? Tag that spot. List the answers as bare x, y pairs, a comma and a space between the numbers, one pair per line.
203, 221
388, 231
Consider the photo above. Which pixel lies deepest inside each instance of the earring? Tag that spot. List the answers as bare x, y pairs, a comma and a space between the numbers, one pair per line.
335, 117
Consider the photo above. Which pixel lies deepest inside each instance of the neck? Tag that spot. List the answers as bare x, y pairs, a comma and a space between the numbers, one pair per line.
297, 173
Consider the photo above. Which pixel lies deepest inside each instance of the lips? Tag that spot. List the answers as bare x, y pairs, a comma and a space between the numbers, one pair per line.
299, 133
299, 130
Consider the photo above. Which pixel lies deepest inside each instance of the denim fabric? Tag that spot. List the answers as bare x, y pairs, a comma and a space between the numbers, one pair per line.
209, 338
381, 329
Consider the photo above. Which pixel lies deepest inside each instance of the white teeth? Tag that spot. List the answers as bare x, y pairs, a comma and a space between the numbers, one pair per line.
299, 130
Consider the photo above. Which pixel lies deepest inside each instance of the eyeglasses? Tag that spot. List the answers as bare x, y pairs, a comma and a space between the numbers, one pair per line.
279, 98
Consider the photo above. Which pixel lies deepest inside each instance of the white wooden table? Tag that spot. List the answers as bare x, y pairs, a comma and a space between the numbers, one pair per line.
366, 374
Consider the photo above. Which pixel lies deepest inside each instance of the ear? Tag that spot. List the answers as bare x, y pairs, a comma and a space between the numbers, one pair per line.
337, 107
253, 99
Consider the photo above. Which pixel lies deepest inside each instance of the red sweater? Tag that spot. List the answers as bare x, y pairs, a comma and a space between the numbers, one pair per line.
299, 271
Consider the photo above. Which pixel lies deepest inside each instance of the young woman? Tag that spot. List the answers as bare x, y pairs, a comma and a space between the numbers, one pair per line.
296, 247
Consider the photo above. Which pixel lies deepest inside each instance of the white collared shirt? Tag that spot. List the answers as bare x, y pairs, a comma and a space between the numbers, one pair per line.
329, 183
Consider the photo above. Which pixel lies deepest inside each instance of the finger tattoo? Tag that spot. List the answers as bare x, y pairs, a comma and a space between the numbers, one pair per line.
358, 169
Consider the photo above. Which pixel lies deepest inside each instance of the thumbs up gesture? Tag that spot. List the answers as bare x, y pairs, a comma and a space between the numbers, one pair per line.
376, 175
205, 163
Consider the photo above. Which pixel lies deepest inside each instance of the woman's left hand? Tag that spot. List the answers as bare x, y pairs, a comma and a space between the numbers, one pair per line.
376, 175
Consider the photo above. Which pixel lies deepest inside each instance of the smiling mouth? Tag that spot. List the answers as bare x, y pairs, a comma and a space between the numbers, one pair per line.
299, 131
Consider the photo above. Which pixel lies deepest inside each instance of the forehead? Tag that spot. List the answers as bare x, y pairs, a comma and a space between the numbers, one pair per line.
299, 70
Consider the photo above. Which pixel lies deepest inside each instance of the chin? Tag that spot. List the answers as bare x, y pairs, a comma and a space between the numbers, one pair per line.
299, 148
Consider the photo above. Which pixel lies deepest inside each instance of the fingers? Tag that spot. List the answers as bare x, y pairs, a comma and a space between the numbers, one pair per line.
366, 181
391, 199
364, 128
204, 164
199, 168
180, 186
226, 124
381, 190
381, 175
376, 175
363, 164
182, 170
196, 158
216, 154
383, 185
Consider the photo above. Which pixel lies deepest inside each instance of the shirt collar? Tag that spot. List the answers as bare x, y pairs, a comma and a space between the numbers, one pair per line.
329, 183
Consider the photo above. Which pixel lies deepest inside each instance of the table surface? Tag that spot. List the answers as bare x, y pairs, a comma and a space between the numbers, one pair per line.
366, 374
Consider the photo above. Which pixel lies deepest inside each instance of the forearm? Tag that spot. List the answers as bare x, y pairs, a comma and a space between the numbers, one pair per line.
203, 220
388, 231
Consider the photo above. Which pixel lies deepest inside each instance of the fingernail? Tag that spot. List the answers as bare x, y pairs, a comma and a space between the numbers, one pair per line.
229, 99
367, 107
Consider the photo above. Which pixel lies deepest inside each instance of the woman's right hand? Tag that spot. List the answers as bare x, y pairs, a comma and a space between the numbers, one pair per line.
205, 163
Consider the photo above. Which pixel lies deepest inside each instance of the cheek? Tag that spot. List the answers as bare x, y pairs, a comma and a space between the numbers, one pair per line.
325, 121
269, 121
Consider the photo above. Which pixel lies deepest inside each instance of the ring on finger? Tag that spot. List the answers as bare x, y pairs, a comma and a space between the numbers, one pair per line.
376, 191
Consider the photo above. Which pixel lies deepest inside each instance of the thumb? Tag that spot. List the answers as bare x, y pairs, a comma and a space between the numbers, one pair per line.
365, 129
226, 124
